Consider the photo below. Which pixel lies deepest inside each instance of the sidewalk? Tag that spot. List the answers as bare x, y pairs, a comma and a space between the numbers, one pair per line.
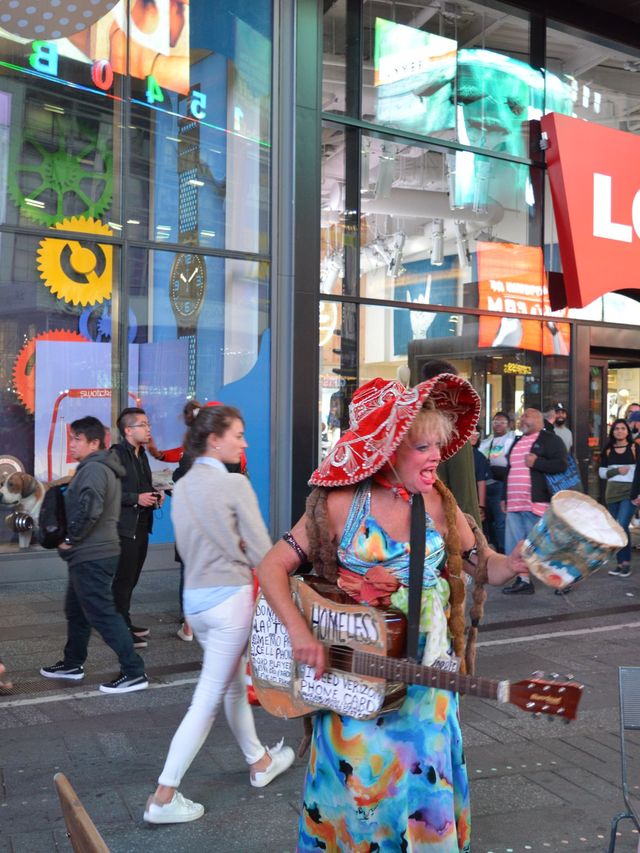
535, 785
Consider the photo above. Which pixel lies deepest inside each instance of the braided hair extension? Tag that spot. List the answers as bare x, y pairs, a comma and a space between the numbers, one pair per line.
322, 548
478, 594
454, 572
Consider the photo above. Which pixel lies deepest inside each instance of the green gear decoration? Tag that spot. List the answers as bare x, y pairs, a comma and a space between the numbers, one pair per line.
67, 174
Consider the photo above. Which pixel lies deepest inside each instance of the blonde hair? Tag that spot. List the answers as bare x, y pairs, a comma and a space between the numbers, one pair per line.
433, 422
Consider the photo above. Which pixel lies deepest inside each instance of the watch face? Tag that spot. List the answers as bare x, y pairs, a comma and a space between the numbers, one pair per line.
187, 287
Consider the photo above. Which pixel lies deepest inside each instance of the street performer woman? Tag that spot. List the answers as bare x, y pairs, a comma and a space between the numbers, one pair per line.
399, 781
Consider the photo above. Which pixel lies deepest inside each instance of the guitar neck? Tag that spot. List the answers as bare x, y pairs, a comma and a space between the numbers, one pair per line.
408, 672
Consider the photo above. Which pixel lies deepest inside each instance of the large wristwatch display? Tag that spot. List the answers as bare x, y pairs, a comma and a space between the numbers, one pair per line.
188, 279
187, 285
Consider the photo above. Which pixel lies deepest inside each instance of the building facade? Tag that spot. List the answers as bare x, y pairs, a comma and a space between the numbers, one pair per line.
268, 204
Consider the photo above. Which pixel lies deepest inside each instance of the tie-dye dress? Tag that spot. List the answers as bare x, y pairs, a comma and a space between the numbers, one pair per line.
398, 782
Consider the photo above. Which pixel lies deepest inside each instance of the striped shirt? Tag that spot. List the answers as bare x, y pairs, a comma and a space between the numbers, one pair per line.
519, 490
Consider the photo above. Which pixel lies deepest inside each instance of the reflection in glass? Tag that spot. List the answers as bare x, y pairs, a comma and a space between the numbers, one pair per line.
426, 214
506, 371
591, 81
333, 215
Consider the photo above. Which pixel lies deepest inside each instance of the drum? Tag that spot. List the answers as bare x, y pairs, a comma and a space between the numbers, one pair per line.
574, 537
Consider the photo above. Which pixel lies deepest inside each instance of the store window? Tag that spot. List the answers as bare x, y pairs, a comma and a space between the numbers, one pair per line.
455, 72
118, 134
437, 227
199, 138
55, 356
594, 80
396, 342
202, 332
333, 215
338, 370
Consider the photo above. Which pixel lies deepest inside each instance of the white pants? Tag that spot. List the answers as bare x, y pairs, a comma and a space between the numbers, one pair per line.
222, 632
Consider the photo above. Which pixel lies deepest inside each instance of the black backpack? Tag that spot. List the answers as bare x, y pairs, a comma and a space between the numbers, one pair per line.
52, 521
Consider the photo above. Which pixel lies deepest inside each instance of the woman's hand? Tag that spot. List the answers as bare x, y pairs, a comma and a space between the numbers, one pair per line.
516, 562
307, 649
623, 469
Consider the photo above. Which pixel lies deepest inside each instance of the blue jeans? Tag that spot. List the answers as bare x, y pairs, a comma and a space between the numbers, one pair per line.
623, 511
89, 604
495, 517
518, 526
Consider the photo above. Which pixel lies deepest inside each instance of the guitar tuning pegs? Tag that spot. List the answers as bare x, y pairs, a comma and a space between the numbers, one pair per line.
537, 673
569, 676
554, 676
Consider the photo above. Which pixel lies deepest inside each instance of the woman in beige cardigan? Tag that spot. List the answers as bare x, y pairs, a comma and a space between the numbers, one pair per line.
220, 535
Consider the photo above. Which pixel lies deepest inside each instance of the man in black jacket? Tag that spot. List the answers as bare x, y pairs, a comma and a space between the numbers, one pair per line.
136, 514
91, 548
533, 455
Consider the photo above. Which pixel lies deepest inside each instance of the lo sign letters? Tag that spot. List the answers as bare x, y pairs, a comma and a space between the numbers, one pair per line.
595, 185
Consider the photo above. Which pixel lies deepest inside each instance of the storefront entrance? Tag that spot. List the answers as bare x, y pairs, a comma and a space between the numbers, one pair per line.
614, 386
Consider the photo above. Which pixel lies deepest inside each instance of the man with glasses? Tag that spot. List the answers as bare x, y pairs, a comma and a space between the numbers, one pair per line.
136, 514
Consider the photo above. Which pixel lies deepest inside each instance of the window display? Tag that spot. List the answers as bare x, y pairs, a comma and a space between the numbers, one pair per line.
120, 124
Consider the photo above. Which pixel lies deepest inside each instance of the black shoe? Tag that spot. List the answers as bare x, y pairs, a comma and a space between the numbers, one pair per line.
125, 684
564, 591
59, 670
519, 587
138, 642
139, 632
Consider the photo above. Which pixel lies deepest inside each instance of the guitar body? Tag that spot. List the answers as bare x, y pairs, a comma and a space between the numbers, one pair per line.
287, 689
366, 673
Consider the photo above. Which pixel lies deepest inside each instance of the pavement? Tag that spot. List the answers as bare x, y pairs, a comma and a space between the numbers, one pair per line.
536, 783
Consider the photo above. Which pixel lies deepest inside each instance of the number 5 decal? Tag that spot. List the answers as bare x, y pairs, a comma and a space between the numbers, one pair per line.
198, 104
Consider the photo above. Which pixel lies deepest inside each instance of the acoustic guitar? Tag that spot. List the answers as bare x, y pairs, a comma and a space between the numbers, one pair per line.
366, 674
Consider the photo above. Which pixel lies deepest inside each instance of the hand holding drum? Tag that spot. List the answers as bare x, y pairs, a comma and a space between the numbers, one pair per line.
574, 538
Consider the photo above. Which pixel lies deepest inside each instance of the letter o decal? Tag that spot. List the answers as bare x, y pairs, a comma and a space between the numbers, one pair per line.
102, 74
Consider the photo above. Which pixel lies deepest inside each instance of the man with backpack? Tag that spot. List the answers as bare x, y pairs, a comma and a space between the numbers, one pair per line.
92, 548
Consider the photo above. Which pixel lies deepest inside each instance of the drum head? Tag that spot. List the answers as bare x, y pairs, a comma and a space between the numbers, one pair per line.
588, 518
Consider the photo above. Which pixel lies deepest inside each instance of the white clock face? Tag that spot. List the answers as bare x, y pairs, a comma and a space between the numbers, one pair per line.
187, 286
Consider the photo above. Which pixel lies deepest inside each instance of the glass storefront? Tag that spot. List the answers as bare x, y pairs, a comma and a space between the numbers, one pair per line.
436, 219
134, 223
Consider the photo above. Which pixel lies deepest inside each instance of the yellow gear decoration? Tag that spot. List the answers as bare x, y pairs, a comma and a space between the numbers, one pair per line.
78, 271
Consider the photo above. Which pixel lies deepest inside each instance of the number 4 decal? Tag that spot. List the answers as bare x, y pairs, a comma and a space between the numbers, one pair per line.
154, 92
198, 104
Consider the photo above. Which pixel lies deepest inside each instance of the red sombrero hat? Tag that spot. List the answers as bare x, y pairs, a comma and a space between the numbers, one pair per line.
380, 415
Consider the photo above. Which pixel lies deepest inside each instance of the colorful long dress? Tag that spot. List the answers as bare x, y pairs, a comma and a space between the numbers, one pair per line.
398, 782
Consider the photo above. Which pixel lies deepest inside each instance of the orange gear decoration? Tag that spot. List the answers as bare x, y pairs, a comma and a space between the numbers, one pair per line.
78, 271
24, 369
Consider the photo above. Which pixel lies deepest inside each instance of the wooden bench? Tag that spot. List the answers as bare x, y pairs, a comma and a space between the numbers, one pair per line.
81, 830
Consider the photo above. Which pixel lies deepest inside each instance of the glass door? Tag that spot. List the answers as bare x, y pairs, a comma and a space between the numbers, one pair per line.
597, 424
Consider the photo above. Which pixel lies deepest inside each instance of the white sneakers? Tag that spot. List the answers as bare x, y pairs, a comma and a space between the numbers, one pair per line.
183, 636
182, 810
282, 758
178, 810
